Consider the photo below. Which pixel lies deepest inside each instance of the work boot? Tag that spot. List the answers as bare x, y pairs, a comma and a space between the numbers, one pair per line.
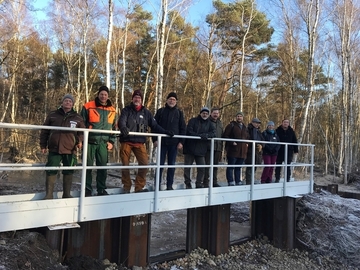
67, 182
277, 179
49, 185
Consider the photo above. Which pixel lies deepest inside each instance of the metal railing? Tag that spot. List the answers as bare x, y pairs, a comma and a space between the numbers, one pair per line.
187, 198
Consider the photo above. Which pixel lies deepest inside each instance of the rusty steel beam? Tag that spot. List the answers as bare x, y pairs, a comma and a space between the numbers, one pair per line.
135, 240
219, 236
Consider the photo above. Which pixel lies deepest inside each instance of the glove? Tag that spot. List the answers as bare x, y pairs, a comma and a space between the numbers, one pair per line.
169, 132
259, 147
124, 131
204, 137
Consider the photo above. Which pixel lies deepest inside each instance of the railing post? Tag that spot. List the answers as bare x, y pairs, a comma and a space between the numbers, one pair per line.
211, 172
157, 174
83, 175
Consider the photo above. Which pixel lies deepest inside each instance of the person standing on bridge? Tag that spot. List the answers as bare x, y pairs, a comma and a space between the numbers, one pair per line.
218, 147
286, 134
61, 144
170, 117
136, 118
195, 149
235, 151
270, 152
99, 114
255, 135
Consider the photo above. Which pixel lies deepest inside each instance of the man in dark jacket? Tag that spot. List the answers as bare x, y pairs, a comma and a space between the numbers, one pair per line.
99, 114
218, 147
62, 145
255, 135
136, 118
196, 149
235, 151
286, 134
171, 118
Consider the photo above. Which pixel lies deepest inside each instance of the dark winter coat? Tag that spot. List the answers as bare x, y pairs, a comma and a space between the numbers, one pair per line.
288, 136
236, 131
255, 135
219, 130
137, 121
171, 118
61, 141
198, 127
270, 149
98, 116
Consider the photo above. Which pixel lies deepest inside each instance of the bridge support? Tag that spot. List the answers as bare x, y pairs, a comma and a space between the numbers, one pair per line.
275, 218
209, 228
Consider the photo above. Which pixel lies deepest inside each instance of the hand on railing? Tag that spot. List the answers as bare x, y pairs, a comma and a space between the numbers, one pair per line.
169, 132
124, 131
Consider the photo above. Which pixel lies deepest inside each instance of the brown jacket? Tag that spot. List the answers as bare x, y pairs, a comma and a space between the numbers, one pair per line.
236, 131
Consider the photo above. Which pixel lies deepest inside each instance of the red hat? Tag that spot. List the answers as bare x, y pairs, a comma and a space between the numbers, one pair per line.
137, 93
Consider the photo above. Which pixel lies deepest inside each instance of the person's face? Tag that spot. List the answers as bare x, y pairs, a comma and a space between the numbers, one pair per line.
270, 127
204, 115
171, 102
239, 118
103, 96
136, 100
255, 124
67, 104
285, 124
215, 114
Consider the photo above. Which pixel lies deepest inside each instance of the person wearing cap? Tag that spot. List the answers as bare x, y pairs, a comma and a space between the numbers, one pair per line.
235, 151
270, 152
99, 114
195, 149
218, 147
286, 134
61, 144
136, 118
170, 117
255, 135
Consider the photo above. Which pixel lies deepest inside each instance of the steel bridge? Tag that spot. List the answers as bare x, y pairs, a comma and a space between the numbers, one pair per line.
25, 211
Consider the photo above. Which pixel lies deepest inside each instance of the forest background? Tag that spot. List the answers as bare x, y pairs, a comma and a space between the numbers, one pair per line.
230, 60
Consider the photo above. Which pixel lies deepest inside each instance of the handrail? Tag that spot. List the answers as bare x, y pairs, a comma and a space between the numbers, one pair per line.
83, 167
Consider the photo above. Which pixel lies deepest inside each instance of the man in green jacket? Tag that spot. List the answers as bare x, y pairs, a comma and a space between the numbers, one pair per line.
99, 114
61, 144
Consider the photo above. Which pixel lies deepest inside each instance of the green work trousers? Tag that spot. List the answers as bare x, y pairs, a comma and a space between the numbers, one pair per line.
98, 152
54, 160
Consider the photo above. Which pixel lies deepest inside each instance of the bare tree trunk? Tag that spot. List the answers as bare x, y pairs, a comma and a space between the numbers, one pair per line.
108, 45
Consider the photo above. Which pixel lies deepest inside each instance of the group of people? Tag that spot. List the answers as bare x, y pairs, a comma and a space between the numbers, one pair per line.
100, 114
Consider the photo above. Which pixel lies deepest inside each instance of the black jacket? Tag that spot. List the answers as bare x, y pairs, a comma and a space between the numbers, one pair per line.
271, 149
255, 135
288, 136
219, 130
137, 121
171, 119
198, 127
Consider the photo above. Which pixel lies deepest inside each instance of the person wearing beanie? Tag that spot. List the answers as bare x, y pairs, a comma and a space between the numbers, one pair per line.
136, 118
286, 134
235, 150
195, 149
270, 152
170, 117
99, 114
61, 145
255, 135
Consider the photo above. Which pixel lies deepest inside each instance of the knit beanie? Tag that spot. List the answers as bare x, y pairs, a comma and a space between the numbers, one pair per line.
69, 97
137, 93
205, 109
241, 113
270, 123
103, 88
172, 94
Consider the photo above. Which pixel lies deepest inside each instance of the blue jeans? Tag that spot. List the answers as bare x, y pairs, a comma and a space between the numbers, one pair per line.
234, 171
171, 152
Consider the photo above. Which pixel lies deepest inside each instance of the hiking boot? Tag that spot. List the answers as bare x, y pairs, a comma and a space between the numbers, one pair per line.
102, 192
216, 185
188, 186
238, 183
206, 186
67, 182
231, 183
277, 180
88, 193
169, 188
199, 185
126, 191
49, 185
